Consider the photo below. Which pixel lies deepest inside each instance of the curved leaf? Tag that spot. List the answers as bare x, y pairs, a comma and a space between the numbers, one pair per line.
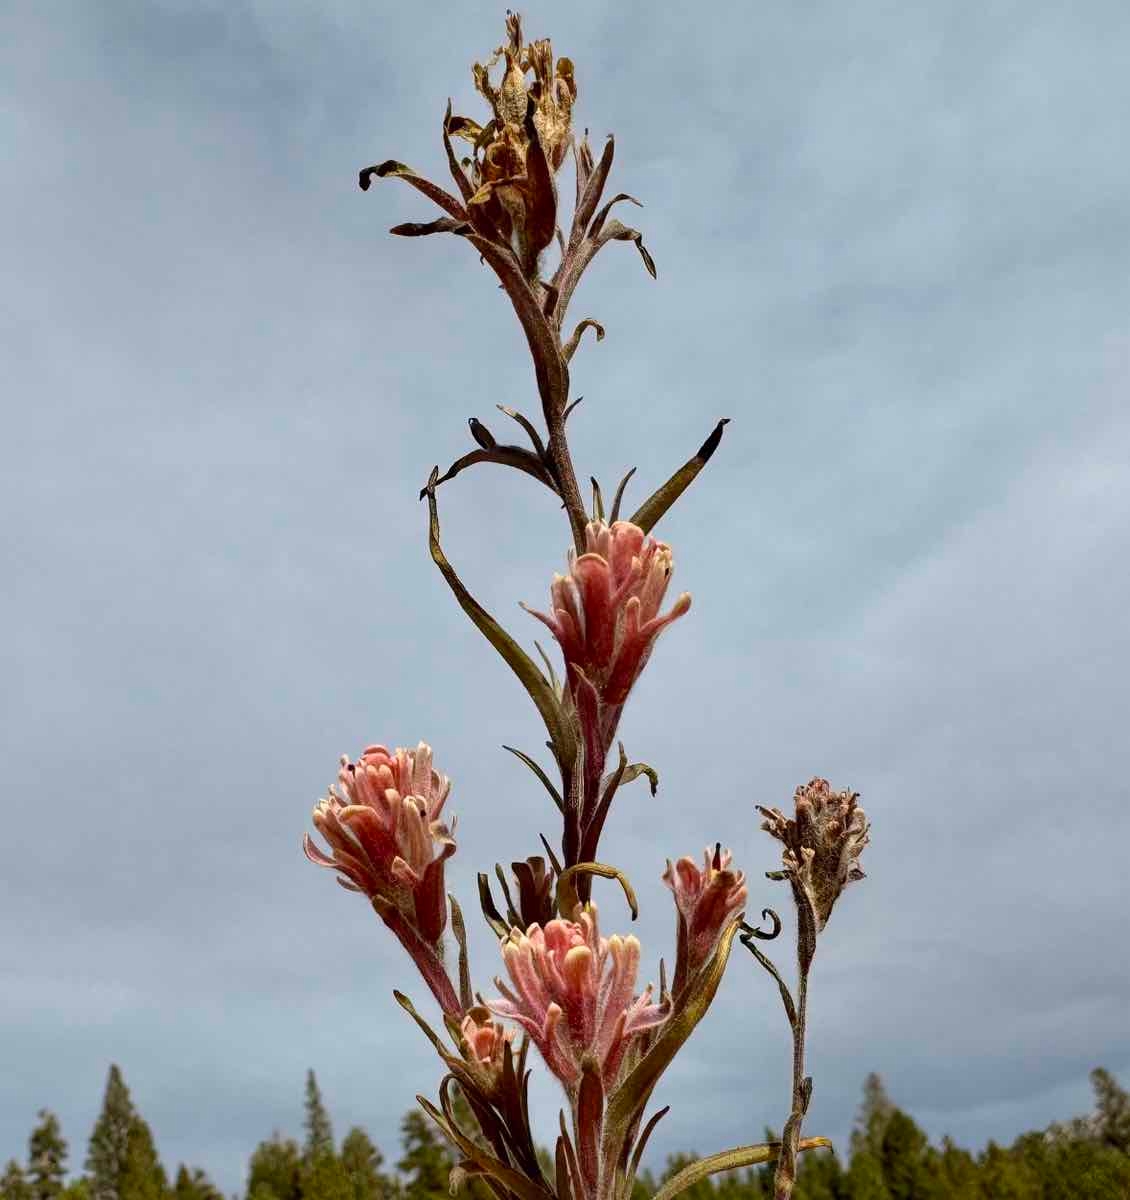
602, 216
649, 512
397, 170
546, 782
570, 347
558, 725
615, 232
729, 1160
517, 457
567, 899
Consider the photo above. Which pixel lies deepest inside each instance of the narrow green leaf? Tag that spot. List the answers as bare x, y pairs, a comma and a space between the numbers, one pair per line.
729, 1160
618, 498
546, 782
459, 928
648, 513
597, 500
540, 690
633, 1094
495, 919
635, 770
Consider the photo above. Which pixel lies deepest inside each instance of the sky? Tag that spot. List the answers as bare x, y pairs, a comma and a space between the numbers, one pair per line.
893, 246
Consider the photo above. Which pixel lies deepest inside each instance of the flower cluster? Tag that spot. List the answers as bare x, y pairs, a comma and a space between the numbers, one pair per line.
521, 149
822, 843
605, 611
385, 836
574, 994
707, 900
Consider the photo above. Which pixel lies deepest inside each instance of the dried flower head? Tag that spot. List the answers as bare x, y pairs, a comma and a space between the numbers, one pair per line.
822, 843
573, 992
520, 150
605, 611
708, 900
382, 825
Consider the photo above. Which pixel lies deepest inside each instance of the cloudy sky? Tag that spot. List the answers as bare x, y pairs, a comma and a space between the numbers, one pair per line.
892, 246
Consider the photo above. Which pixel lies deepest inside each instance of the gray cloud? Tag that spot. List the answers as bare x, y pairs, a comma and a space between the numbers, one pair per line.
893, 249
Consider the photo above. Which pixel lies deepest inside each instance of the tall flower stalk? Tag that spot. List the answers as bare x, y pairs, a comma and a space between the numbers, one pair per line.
564, 986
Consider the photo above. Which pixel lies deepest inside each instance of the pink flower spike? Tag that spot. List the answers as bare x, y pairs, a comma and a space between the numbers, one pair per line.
708, 901
605, 612
573, 992
382, 825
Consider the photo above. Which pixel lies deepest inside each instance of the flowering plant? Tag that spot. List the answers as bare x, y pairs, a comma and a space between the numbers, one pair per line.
571, 990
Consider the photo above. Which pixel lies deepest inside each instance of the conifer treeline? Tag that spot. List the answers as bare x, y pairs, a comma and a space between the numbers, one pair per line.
890, 1158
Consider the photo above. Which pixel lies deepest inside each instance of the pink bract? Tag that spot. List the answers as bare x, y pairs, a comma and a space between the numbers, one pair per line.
573, 993
605, 611
384, 833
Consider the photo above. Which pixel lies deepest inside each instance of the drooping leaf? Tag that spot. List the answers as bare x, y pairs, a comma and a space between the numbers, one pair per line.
567, 899
649, 513
557, 723
398, 170
602, 216
517, 457
635, 770
570, 347
615, 232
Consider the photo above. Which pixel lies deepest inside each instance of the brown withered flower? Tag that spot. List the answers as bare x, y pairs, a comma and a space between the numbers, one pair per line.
822, 843
518, 152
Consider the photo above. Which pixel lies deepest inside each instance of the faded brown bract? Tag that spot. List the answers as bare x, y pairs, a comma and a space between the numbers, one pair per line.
822, 843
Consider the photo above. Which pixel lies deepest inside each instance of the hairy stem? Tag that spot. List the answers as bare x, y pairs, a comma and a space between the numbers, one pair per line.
785, 1176
566, 478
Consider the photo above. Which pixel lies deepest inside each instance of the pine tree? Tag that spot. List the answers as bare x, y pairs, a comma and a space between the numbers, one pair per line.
903, 1156
13, 1183
319, 1131
864, 1178
875, 1111
106, 1155
143, 1177
46, 1158
275, 1170
426, 1161
194, 1184
1113, 1110
819, 1177
362, 1163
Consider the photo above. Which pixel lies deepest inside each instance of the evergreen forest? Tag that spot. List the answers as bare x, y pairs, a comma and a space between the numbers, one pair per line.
889, 1158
